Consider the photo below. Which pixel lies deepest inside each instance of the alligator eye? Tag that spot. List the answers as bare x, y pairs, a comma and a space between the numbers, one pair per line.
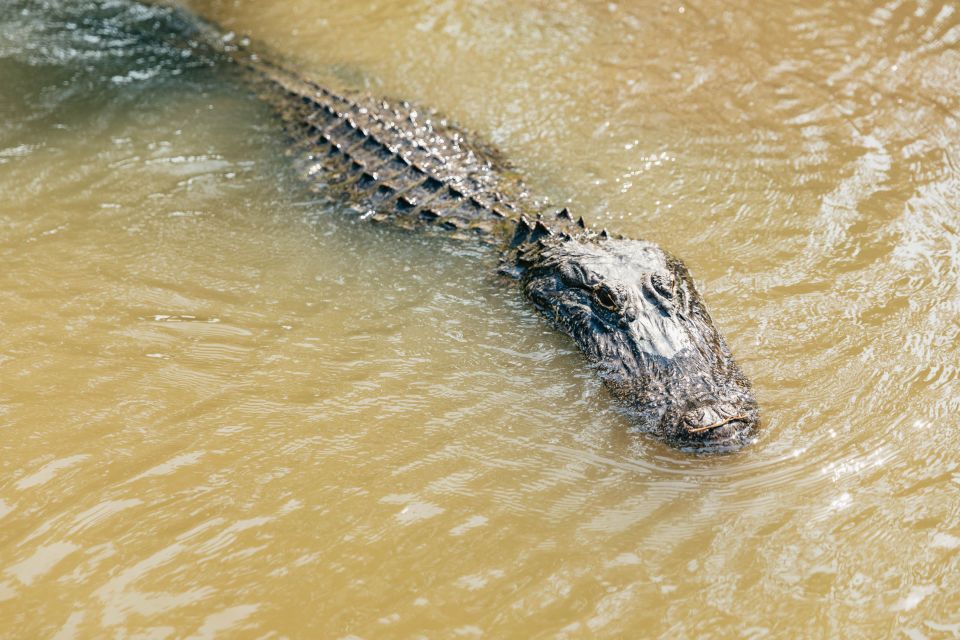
663, 285
605, 297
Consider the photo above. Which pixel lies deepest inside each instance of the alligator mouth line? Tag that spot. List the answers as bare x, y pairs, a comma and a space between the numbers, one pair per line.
717, 424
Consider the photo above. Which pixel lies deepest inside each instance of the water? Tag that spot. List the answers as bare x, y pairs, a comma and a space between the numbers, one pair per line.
228, 411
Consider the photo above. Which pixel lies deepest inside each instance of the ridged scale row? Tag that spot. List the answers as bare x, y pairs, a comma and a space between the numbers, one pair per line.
393, 161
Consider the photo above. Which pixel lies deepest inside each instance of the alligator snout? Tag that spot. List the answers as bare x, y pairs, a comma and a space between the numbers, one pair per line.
709, 417
718, 423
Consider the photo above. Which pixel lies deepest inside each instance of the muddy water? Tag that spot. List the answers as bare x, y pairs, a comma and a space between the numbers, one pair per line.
229, 411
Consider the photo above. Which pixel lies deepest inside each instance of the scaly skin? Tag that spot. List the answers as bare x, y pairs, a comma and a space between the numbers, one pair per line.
631, 307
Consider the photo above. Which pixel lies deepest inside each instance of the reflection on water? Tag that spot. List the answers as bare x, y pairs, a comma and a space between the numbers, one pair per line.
227, 411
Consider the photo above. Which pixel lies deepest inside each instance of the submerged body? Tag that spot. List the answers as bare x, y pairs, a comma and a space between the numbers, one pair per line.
631, 307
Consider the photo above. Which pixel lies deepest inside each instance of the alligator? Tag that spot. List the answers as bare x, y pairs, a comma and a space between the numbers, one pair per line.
631, 307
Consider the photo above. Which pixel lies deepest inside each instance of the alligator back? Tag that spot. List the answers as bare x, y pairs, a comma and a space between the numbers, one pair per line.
390, 161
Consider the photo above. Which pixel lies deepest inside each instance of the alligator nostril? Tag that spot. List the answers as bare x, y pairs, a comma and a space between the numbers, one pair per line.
694, 418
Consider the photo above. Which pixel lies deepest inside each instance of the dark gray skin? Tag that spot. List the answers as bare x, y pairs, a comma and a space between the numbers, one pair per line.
636, 314
631, 307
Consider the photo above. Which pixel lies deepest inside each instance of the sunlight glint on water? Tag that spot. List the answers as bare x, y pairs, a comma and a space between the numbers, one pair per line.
227, 411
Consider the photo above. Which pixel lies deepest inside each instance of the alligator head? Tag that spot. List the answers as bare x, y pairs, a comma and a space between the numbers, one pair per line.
635, 313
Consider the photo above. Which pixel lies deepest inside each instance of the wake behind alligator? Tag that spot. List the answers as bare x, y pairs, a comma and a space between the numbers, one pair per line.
630, 306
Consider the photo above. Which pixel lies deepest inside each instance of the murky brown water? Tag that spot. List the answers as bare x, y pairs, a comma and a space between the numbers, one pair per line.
227, 412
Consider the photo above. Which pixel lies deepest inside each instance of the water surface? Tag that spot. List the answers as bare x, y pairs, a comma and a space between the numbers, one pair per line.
228, 410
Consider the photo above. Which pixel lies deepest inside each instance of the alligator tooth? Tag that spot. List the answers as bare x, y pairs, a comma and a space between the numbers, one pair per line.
604, 234
581, 223
564, 214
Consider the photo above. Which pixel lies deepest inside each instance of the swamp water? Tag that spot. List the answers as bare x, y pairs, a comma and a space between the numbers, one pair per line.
229, 411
